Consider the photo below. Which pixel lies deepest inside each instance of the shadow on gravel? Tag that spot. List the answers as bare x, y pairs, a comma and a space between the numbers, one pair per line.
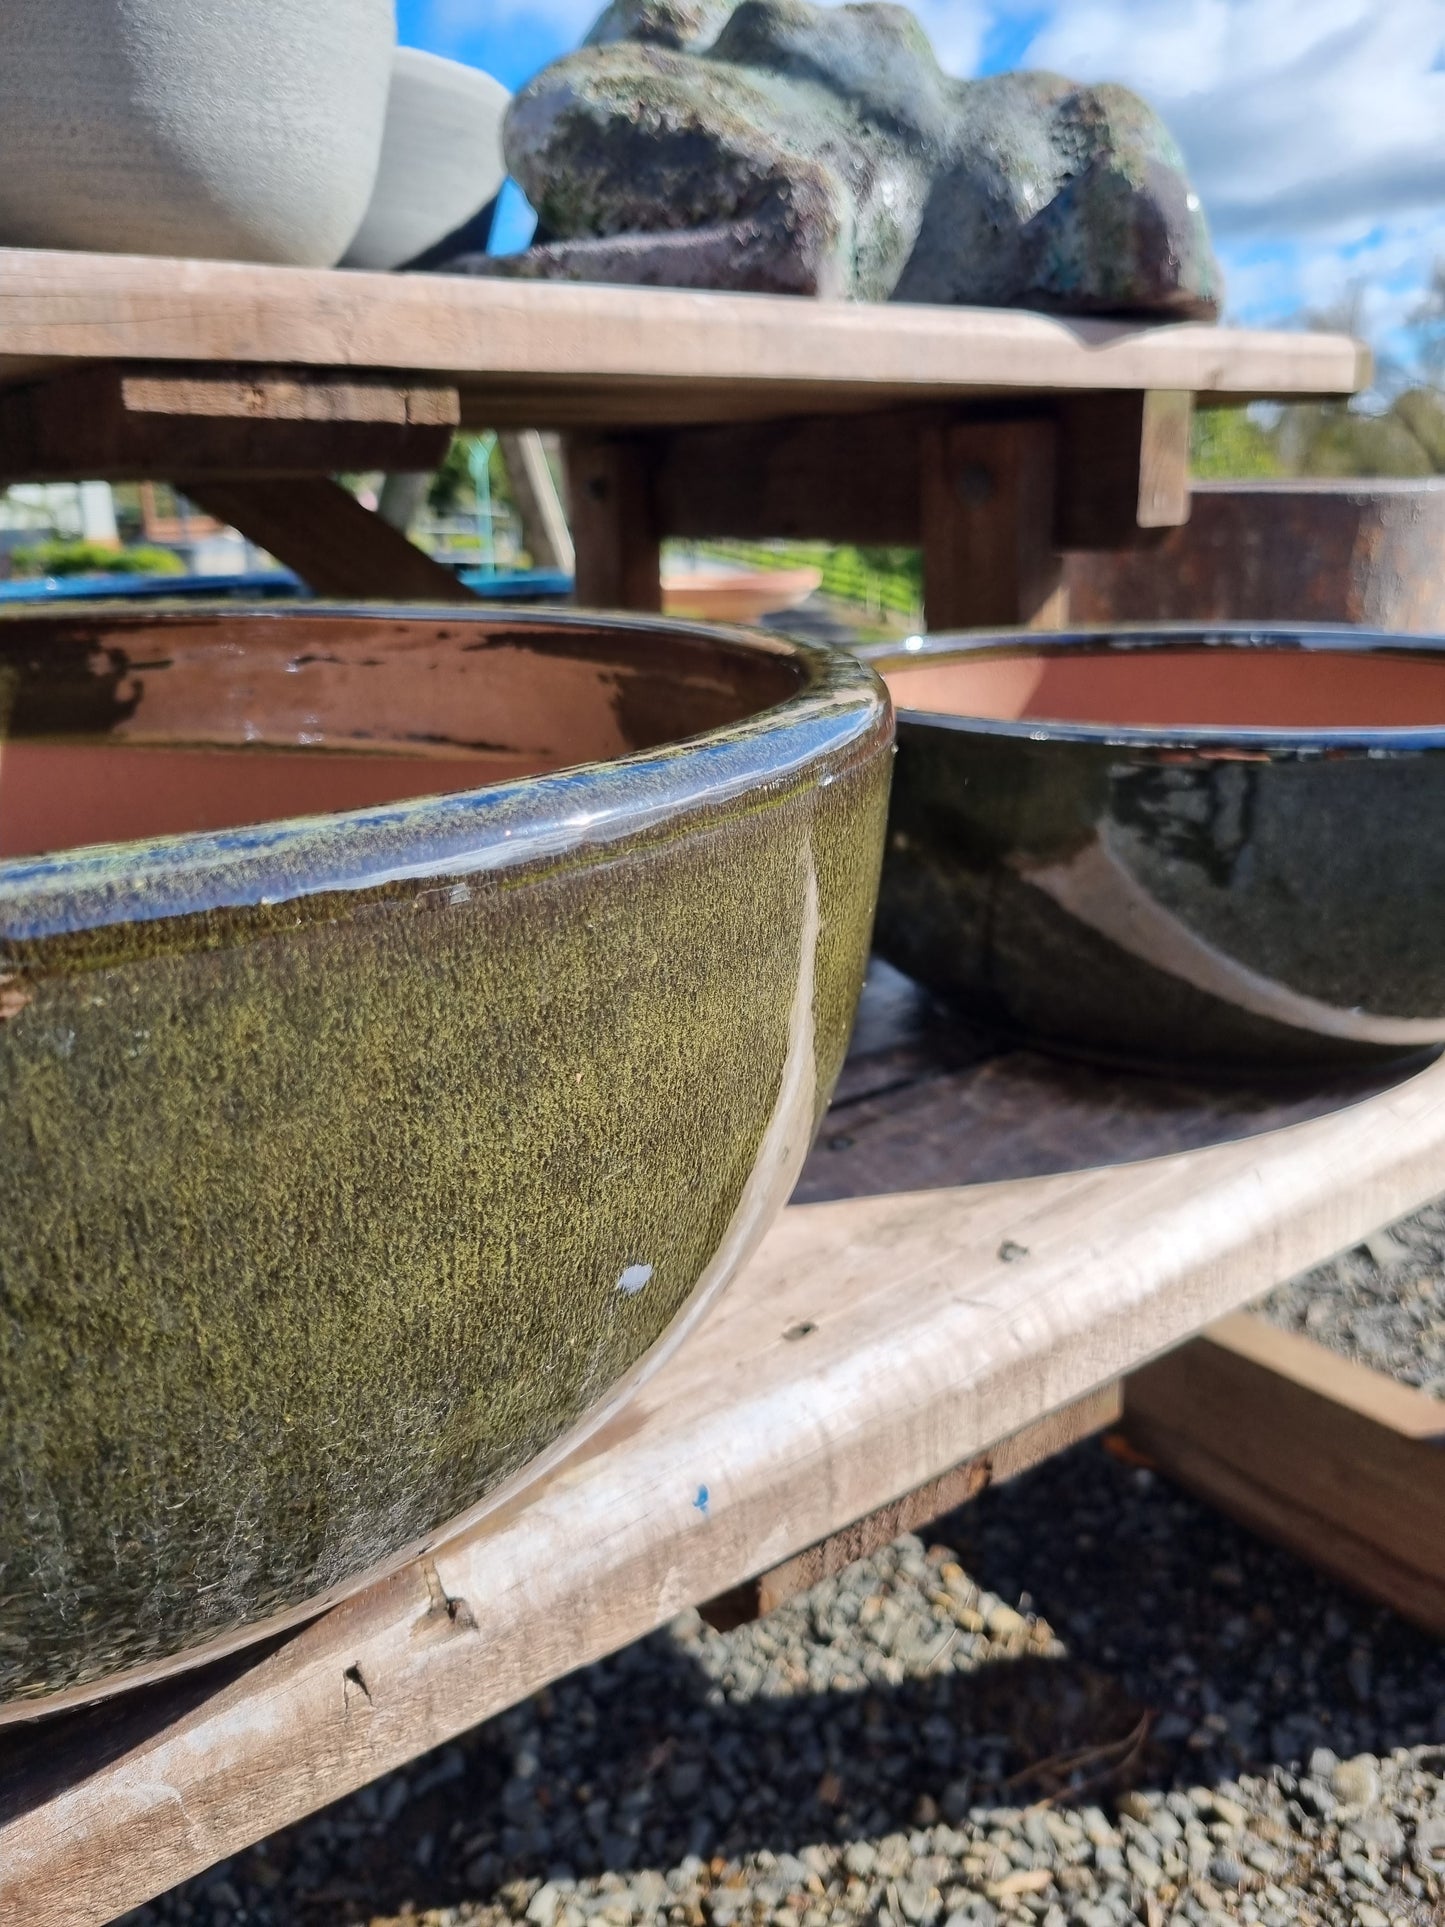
1231, 1655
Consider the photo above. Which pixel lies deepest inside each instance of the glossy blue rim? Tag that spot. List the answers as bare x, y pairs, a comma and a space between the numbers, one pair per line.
839, 712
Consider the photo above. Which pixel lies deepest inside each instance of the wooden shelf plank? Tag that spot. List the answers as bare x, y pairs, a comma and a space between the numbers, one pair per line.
1339, 1463
541, 355
138, 423
873, 1344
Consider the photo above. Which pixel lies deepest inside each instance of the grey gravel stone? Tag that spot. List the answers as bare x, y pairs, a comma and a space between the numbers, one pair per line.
700, 1778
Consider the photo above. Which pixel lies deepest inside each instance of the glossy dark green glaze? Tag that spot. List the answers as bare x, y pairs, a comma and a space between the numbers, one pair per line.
326, 1147
1223, 898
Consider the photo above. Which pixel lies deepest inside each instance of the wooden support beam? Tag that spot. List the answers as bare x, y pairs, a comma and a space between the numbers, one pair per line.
336, 546
1122, 473
1019, 1453
987, 503
1123, 467
539, 507
1340, 1464
121, 423
850, 478
614, 522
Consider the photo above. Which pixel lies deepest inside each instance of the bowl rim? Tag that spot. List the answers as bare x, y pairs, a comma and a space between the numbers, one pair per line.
1269, 739
839, 714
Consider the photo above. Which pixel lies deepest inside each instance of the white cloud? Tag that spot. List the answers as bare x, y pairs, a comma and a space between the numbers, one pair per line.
1294, 114
956, 28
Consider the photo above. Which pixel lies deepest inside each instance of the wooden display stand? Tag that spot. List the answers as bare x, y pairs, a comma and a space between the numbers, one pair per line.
994, 440
955, 1292
887, 1354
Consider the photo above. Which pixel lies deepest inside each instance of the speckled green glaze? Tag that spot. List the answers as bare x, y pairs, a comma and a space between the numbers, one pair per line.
325, 1146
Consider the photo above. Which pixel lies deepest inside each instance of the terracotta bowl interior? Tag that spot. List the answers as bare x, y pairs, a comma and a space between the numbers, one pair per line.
1181, 687
117, 729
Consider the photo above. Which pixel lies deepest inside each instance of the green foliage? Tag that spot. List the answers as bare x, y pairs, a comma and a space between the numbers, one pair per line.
452, 491
882, 580
1229, 445
1334, 439
93, 558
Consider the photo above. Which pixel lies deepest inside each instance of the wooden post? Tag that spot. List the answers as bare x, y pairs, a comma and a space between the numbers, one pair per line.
539, 508
614, 522
1123, 468
988, 493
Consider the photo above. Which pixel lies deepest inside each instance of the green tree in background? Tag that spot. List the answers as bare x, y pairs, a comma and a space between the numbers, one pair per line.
1230, 445
451, 491
1396, 431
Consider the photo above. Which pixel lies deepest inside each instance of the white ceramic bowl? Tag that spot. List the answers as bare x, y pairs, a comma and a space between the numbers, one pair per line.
441, 159
235, 129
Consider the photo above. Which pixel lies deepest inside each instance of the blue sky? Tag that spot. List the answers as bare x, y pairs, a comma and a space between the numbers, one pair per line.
1315, 129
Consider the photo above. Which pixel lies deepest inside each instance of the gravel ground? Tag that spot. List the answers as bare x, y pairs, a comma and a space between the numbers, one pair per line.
1086, 1700
1383, 1304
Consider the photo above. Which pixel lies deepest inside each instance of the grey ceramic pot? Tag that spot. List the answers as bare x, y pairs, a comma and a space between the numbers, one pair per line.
238, 129
451, 1021
441, 163
1179, 848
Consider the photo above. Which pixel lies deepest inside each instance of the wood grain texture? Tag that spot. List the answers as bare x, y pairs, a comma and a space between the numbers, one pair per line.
334, 544
1055, 1432
940, 1322
153, 423
844, 478
615, 532
1337, 1462
988, 491
539, 355
1123, 468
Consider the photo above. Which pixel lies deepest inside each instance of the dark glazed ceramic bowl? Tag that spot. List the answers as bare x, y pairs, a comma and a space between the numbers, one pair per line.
359, 1141
1175, 847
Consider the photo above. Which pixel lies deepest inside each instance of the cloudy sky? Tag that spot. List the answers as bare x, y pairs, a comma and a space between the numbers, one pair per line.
1315, 129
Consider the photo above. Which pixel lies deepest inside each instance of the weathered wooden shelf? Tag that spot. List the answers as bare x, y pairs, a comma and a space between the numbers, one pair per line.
541, 355
882, 1337
991, 439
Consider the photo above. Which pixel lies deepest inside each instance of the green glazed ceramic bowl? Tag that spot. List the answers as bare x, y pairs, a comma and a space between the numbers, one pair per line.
408, 1022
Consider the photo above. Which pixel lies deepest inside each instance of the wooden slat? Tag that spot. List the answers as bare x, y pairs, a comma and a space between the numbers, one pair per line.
540, 355
334, 544
1019, 1453
1123, 468
848, 478
156, 424
940, 1322
988, 491
1339, 1463
615, 533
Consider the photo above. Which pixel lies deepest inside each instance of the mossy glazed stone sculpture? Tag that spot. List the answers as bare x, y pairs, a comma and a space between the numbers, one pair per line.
782, 147
246, 130
1211, 849
350, 1160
